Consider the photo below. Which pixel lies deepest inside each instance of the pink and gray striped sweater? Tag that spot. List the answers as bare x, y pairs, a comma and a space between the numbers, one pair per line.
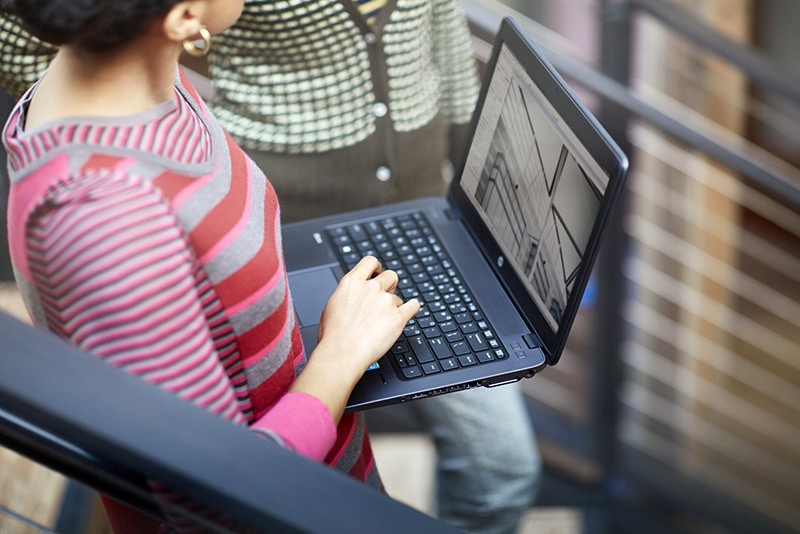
153, 242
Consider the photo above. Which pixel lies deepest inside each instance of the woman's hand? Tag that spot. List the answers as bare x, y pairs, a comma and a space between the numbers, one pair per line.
363, 317
360, 322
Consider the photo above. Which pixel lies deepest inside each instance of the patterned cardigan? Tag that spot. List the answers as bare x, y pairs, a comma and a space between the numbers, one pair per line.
312, 76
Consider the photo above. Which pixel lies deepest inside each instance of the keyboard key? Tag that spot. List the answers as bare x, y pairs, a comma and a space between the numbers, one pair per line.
426, 322
394, 264
412, 330
440, 278
458, 308
414, 268
437, 305
485, 356
464, 317
342, 239
476, 342
430, 368
412, 372
409, 293
452, 337
446, 289
448, 326
467, 360
431, 297
469, 327
421, 349
432, 332
440, 348
425, 286
451, 298
400, 346
357, 232
448, 364
460, 347
442, 317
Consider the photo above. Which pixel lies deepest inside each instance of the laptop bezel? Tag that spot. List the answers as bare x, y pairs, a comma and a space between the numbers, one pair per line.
597, 142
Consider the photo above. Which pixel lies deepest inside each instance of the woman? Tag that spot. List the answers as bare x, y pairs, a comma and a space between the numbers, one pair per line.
139, 231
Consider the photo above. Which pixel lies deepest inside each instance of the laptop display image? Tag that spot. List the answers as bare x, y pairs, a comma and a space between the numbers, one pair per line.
501, 264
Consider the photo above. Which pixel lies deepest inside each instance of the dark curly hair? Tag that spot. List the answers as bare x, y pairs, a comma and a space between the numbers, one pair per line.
94, 25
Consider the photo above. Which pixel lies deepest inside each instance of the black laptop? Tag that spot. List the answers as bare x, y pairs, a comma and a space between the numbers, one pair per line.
501, 264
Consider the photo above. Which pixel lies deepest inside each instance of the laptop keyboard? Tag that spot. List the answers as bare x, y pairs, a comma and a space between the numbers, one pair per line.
450, 331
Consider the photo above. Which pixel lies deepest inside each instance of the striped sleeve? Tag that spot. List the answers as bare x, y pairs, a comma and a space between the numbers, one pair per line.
115, 276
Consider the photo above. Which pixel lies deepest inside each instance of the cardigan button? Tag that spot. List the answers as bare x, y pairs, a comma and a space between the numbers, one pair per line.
383, 173
379, 109
370, 38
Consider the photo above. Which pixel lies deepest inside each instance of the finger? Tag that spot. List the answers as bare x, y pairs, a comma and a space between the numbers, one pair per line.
366, 268
387, 280
410, 308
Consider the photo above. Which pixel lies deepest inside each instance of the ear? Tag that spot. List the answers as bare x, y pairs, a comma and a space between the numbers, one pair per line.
183, 21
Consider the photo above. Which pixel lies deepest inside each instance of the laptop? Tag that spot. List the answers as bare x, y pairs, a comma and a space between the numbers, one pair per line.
499, 265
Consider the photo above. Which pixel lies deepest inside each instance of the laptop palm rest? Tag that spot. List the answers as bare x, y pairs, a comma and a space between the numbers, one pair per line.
311, 290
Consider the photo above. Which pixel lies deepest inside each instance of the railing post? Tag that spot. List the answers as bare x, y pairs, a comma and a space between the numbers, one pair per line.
609, 328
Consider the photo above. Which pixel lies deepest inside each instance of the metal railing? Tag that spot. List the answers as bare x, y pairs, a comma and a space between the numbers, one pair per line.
688, 376
50, 393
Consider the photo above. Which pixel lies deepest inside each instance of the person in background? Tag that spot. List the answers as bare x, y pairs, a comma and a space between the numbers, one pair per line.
349, 104
140, 232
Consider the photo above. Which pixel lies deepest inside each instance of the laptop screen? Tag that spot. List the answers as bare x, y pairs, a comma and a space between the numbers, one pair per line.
534, 185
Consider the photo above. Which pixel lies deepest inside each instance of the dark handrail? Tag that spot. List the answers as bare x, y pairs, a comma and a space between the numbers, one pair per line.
53, 394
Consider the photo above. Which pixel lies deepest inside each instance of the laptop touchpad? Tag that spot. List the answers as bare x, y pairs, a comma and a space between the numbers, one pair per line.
310, 292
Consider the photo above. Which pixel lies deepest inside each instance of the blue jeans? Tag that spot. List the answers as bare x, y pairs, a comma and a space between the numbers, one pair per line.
488, 464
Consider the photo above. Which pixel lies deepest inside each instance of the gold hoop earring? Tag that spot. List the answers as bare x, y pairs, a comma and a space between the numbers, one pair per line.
199, 51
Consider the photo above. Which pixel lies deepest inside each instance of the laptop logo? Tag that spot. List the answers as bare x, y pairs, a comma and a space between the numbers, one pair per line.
500, 261
318, 238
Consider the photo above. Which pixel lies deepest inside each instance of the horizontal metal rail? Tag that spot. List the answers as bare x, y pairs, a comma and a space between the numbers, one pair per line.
82, 415
757, 66
758, 168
